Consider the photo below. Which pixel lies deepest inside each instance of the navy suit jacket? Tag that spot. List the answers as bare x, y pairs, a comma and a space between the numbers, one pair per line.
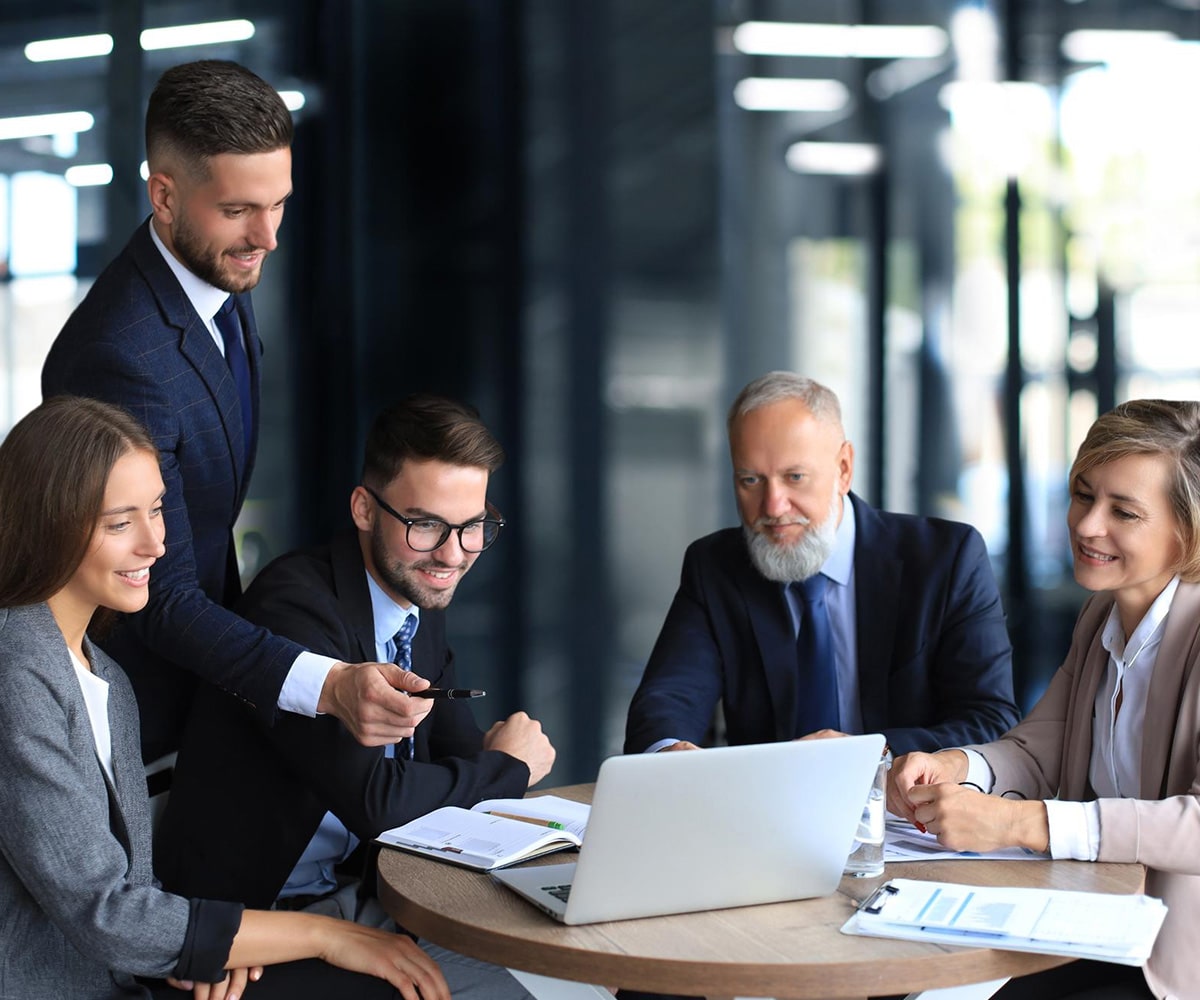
275, 783
934, 660
136, 341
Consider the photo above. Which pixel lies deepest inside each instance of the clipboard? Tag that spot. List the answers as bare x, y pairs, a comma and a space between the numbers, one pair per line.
1108, 927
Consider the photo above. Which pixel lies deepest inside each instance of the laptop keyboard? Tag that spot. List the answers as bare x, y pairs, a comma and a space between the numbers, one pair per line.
559, 892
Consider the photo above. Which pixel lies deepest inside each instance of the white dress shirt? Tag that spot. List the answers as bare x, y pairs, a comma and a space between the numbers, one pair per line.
1115, 767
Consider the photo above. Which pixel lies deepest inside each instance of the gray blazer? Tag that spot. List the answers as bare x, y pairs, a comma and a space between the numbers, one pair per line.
80, 913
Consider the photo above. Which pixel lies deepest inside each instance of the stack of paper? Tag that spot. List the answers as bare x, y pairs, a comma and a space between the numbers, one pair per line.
1103, 926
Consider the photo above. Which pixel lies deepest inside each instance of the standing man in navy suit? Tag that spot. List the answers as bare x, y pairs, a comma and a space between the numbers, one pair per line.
909, 617
167, 332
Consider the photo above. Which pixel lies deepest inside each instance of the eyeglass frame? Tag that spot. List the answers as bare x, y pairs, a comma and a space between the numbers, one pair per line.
492, 516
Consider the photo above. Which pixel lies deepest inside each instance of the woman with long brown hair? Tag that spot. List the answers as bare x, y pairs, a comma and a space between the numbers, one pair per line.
81, 916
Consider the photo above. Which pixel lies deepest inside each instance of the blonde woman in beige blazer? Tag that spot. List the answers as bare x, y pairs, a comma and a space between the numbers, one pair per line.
1104, 768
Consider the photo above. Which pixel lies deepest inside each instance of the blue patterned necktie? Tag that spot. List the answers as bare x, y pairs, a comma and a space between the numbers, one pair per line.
816, 689
403, 640
235, 356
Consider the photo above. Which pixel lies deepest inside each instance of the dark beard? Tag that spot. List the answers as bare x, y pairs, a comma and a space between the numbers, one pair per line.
206, 264
400, 582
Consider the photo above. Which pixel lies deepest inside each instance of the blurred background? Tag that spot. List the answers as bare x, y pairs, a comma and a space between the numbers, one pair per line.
597, 219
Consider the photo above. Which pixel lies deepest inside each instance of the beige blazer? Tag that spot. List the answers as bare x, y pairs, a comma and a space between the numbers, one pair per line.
1047, 755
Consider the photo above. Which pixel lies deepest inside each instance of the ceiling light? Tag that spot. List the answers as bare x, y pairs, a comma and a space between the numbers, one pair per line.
1095, 45
293, 99
864, 41
854, 159
88, 174
184, 35
775, 94
31, 125
78, 47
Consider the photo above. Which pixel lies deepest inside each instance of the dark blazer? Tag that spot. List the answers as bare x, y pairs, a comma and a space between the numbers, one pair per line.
81, 914
934, 660
136, 341
273, 784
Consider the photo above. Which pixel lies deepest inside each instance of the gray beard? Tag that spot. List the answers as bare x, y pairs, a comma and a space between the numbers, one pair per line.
787, 563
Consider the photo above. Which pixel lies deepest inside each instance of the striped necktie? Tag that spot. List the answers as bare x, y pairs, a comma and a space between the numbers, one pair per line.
403, 640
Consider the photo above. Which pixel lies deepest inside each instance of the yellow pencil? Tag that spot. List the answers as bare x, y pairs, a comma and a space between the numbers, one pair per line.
553, 824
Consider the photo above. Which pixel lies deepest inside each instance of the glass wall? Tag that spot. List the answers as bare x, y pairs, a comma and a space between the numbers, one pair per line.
978, 222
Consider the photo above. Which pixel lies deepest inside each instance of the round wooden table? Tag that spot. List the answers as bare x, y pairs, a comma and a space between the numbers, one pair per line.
788, 950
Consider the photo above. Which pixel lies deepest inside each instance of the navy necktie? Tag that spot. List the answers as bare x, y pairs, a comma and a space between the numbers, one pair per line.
816, 689
403, 640
235, 356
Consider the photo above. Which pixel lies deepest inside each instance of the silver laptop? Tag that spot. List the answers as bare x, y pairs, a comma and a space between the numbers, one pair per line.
706, 829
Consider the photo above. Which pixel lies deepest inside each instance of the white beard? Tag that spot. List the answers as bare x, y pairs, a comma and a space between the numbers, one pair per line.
787, 563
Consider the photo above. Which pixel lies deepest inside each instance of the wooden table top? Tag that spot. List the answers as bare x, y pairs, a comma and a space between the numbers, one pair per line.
793, 949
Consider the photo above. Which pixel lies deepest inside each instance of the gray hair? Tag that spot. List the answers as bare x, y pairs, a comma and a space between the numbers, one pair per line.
777, 386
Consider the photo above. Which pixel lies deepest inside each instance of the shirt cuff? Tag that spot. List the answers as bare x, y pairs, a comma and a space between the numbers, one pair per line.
1074, 830
979, 771
301, 691
655, 747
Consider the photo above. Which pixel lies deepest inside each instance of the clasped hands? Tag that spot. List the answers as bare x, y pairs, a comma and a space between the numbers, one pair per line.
927, 790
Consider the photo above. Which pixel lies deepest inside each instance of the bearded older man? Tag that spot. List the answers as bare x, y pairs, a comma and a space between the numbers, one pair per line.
820, 617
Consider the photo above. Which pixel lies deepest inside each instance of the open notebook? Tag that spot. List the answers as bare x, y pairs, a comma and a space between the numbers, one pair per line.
699, 830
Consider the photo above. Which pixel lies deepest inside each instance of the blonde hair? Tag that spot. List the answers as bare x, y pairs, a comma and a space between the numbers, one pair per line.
1155, 427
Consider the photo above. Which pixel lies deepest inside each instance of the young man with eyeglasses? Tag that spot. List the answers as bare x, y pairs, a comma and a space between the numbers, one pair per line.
295, 800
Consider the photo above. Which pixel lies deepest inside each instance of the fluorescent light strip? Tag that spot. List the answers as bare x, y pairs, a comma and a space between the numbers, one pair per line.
77, 47
89, 174
31, 125
862, 41
183, 35
1096, 45
778, 94
854, 159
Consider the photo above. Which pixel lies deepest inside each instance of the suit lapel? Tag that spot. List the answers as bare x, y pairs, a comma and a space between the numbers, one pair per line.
771, 622
353, 594
1077, 753
877, 574
196, 344
1172, 672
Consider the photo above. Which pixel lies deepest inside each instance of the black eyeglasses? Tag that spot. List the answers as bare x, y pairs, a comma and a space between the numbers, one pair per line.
425, 534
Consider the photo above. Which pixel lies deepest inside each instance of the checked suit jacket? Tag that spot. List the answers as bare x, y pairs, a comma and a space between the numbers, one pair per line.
137, 342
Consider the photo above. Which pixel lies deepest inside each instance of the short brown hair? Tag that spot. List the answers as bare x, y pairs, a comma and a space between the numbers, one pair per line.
54, 468
1155, 427
203, 109
425, 427
775, 387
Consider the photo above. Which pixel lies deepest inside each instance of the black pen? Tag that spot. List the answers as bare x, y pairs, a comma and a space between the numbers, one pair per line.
447, 693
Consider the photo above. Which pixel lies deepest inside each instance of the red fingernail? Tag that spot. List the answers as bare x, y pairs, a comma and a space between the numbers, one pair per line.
919, 825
